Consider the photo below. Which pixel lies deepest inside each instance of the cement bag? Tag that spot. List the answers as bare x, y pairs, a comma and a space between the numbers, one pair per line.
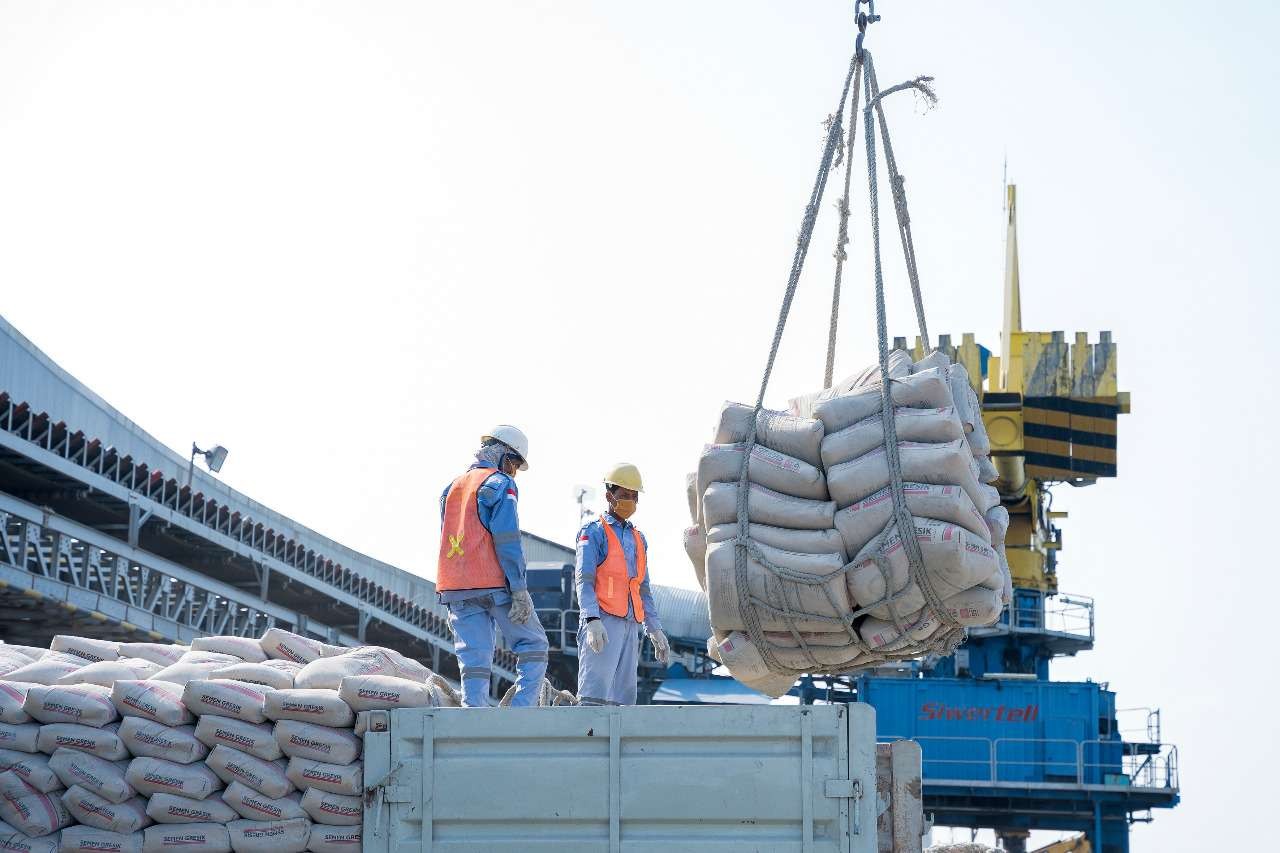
346, 779
937, 358
332, 809
765, 506
322, 707
145, 738
194, 665
997, 520
384, 692
327, 673
225, 698
171, 808
946, 464
85, 648
280, 644
161, 653
12, 839
695, 545
691, 493
266, 777
276, 836
987, 472
151, 776
799, 541
88, 704
788, 434
335, 839
304, 740
928, 389
158, 701
31, 768
919, 425
34, 814
861, 522
447, 695
246, 648
91, 810
105, 742
724, 596
954, 560
108, 672
191, 837
276, 674
32, 652
87, 839
406, 667
990, 497
12, 694
22, 737
721, 463
13, 785
833, 651
969, 409
744, 660
11, 659
15, 656
899, 366
102, 777
972, 608
48, 669
254, 738
252, 805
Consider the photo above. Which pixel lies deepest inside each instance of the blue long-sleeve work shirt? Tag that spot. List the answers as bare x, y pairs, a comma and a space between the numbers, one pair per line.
592, 548
496, 502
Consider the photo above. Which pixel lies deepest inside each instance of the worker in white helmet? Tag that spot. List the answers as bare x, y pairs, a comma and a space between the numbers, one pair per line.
614, 599
480, 575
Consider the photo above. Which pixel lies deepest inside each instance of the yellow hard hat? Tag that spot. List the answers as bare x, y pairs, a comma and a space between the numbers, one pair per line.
626, 475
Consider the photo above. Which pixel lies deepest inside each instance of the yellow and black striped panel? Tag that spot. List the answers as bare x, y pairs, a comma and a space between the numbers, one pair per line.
1067, 438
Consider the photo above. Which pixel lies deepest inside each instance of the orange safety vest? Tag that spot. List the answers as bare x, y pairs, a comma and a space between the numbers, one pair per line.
612, 584
468, 559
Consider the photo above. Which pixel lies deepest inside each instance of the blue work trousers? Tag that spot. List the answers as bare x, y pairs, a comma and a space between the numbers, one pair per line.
473, 621
608, 677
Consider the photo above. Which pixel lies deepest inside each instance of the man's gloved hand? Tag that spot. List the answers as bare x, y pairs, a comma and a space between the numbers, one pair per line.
661, 646
521, 607
596, 636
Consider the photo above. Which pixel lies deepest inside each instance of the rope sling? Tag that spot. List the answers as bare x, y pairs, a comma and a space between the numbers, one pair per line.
780, 582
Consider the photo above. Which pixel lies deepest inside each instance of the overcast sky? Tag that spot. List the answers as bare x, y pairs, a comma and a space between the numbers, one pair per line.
342, 239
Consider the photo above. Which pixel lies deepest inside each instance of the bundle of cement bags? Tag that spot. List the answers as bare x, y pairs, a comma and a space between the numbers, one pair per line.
232, 743
827, 585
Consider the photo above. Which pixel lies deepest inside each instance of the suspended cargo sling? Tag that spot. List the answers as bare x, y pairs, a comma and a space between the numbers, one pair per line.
858, 526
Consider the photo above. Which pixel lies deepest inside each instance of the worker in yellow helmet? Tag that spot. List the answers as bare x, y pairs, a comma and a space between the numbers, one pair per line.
614, 599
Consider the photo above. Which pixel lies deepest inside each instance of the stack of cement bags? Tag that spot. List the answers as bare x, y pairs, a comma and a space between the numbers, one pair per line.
827, 586
229, 744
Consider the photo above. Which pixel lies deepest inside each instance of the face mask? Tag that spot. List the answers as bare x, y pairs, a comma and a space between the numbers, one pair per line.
624, 508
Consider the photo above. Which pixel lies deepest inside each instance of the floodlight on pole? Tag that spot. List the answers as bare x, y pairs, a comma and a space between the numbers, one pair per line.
213, 460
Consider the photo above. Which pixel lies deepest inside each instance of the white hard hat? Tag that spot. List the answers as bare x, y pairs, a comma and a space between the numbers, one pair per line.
512, 437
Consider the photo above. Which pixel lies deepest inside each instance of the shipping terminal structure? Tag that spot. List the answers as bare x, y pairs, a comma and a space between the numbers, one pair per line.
108, 533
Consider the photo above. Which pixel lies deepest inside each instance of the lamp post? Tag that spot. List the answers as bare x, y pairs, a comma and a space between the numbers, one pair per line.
213, 460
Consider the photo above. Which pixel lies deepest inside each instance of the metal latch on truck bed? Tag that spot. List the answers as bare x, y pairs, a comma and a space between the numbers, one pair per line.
846, 789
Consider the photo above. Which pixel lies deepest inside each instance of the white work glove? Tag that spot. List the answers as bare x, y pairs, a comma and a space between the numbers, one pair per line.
661, 646
521, 607
596, 636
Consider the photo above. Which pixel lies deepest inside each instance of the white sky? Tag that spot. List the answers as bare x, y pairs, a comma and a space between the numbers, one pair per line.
342, 239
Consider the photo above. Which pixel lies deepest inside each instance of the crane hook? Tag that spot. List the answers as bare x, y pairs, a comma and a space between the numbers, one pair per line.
864, 18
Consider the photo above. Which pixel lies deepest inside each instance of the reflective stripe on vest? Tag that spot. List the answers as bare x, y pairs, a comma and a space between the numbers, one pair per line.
468, 559
612, 583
